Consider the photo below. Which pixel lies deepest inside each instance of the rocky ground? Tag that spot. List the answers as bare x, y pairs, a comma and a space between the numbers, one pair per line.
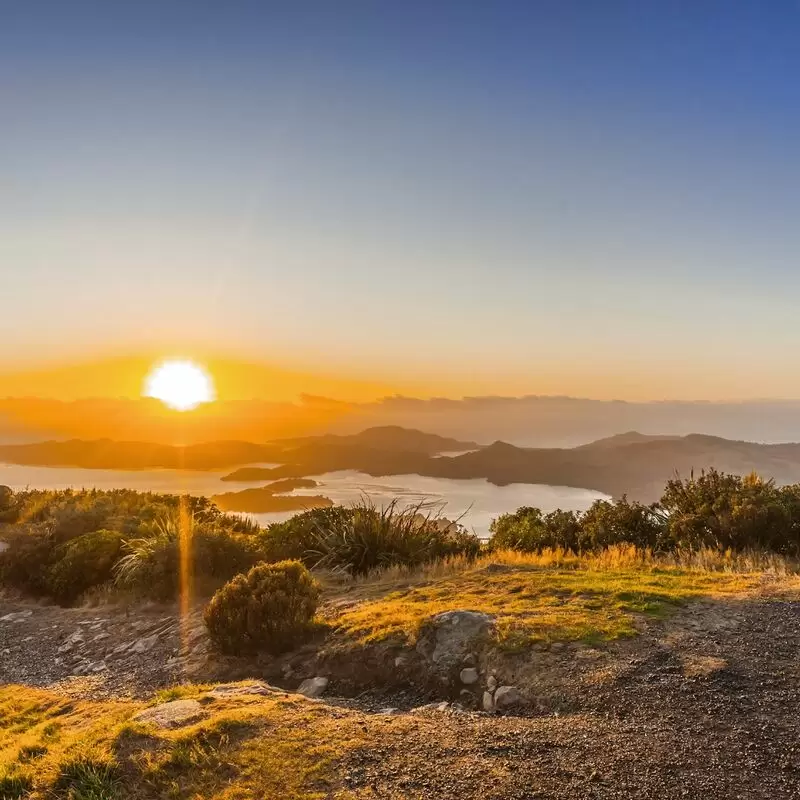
705, 705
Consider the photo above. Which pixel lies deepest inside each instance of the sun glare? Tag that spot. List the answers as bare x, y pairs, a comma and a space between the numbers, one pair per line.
181, 385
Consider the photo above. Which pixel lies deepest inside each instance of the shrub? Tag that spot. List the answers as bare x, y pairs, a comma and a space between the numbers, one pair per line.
297, 537
151, 564
25, 564
531, 531
270, 609
369, 538
623, 522
730, 511
83, 563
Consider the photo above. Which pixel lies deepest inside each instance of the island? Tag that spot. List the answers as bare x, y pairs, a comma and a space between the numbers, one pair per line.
264, 501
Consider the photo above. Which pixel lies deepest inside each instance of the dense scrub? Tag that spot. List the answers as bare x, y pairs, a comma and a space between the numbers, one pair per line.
713, 510
270, 609
62, 544
364, 537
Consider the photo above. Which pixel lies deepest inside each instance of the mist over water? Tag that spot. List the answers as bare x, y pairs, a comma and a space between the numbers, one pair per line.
477, 502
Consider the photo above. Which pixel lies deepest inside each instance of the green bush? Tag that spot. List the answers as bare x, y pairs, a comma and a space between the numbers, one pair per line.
369, 538
83, 563
25, 564
608, 523
297, 537
151, 563
270, 609
531, 531
731, 511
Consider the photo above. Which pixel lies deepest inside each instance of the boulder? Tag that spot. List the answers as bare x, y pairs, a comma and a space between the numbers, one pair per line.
507, 697
488, 702
469, 676
313, 687
174, 714
448, 638
491, 683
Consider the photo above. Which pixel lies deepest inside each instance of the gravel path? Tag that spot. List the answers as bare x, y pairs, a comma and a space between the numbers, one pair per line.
708, 711
704, 706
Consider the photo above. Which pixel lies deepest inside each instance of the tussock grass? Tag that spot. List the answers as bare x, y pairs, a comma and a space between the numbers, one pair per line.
275, 748
554, 595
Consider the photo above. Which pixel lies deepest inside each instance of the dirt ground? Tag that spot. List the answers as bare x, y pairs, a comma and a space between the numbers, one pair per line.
706, 705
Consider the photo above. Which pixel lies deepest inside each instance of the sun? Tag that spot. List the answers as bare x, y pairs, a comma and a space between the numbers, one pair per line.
181, 385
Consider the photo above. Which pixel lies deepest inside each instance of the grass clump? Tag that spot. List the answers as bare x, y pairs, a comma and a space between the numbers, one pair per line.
84, 777
270, 609
370, 538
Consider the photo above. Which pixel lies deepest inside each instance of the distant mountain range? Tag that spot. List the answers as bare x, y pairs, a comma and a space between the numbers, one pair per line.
630, 463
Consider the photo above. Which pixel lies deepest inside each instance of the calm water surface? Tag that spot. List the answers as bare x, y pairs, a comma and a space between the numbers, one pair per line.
477, 500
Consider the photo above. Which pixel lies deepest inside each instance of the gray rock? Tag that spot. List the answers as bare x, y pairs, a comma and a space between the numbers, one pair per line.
174, 714
234, 689
439, 707
145, 644
491, 683
447, 638
389, 710
16, 616
488, 702
469, 676
507, 697
313, 687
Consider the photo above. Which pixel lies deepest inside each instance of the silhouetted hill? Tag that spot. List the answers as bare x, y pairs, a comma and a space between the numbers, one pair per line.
631, 463
387, 438
109, 454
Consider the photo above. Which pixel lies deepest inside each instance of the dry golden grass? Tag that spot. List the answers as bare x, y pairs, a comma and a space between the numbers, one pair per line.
276, 748
552, 596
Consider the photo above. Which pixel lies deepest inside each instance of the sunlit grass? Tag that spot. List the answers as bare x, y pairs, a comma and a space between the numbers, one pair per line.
552, 596
275, 748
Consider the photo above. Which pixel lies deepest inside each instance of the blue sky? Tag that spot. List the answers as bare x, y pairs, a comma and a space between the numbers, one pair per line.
556, 197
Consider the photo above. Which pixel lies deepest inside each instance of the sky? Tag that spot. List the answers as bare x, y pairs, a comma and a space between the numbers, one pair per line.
582, 198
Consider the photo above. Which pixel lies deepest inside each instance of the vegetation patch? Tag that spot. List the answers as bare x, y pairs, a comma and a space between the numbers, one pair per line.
555, 596
251, 746
271, 609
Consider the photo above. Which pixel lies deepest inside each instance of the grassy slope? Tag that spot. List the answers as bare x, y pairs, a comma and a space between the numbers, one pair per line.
276, 748
554, 597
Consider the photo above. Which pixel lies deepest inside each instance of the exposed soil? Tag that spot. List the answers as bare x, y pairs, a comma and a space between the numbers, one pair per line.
706, 705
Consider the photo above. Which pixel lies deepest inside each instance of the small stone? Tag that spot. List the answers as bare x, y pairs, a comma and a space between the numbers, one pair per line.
507, 697
233, 689
101, 636
401, 660
469, 676
491, 683
144, 645
389, 710
97, 666
16, 616
174, 714
313, 687
488, 702
469, 660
